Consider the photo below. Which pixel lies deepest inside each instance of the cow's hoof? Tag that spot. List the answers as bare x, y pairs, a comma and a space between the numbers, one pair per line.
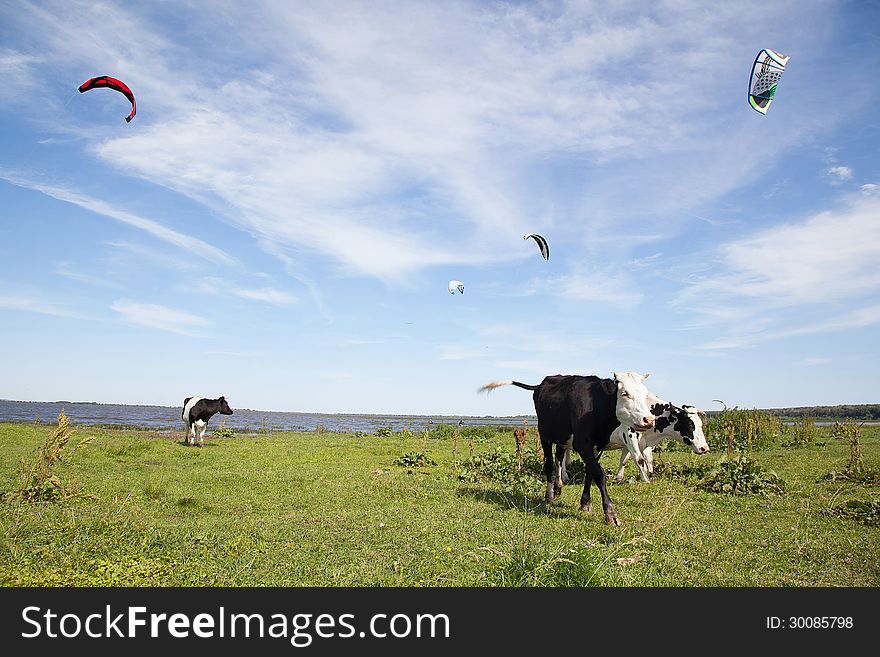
611, 518
586, 508
557, 491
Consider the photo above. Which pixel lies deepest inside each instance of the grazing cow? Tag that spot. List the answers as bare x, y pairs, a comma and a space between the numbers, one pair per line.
682, 423
582, 411
196, 413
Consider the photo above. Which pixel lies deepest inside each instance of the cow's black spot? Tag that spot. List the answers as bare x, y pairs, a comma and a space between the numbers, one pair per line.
685, 426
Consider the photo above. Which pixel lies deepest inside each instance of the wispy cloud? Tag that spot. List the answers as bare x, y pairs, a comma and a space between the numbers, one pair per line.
266, 294
768, 283
610, 287
189, 243
34, 302
376, 141
67, 270
158, 317
839, 173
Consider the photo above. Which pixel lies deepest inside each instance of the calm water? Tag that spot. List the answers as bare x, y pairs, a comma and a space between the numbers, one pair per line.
167, 418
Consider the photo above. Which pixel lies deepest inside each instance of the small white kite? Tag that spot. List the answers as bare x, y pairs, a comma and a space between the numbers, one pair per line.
456, 285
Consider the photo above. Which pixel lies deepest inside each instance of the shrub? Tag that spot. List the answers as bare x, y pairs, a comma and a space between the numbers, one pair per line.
867, 513
738, 475
224, 431
414, 460
743, 430
503, 467
384, 432
39, 482
802, 433
741, 475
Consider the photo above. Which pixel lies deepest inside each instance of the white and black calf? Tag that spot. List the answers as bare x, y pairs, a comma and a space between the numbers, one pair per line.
196, 413
582, 412
682, 423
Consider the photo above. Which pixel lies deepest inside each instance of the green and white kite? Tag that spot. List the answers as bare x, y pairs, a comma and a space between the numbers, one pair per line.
766, 72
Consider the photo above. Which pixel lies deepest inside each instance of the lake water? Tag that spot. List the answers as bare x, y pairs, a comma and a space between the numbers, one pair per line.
167, 418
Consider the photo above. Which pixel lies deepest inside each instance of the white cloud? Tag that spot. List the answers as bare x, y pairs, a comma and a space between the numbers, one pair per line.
815, 276
162, 318
67, 270
186, 242
839, 173
218, 287
870, 188
393, 138
32, 302
614, 288
266, 294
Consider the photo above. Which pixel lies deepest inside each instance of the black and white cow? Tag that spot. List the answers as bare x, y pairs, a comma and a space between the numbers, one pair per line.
582, 412
196, 413
682, 423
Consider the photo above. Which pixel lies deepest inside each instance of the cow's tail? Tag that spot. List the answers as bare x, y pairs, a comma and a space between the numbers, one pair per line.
497, 384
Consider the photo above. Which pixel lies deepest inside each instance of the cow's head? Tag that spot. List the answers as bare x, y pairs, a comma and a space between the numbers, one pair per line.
633, 409
224, 407
684, 423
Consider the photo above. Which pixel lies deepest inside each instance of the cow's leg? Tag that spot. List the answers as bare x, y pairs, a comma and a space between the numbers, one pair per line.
202, 427
624, 457
649, 458
549, 469
560, 476
631, 438
191, 434
597, 474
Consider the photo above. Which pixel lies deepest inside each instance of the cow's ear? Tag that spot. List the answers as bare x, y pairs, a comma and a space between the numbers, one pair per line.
222, 397
615, 376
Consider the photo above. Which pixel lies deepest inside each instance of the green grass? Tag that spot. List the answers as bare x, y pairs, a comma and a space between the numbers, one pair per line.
302, 509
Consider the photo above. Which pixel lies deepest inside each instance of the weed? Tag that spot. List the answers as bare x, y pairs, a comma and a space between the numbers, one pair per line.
40, 482
864, 512
802, 433
498, 465
855, 470
384, 432
738, 475
741, 476
744, 430
224, 432
414, 460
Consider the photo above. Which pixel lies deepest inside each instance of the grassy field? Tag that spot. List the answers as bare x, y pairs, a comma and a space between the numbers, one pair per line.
327, 509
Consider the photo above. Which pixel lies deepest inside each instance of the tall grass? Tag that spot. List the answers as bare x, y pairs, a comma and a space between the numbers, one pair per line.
39, 480
740, 430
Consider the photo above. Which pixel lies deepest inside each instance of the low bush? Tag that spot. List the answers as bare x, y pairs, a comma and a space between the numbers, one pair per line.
738, 475
39, 481
865, 512
414, 460
743, 430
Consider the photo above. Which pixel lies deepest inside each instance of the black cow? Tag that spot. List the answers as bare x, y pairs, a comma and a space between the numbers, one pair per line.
196, 413
582, 411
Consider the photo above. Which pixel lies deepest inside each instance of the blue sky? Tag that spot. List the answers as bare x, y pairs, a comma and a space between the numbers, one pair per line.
279, 222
